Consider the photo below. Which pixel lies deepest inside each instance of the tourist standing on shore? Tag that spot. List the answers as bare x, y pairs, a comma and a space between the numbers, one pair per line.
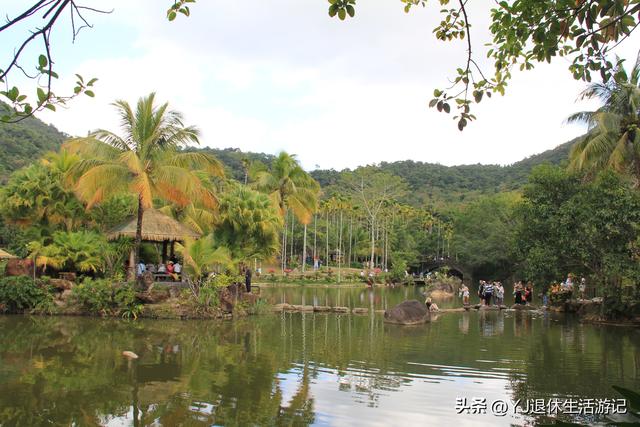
247, 278
528, 293
517, 293
464, 293
582, 287
488, 293
481, 292
499, 294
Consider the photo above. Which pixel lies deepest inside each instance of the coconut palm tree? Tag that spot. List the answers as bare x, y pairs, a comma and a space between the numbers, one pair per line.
291, 189
613, 139
145, 161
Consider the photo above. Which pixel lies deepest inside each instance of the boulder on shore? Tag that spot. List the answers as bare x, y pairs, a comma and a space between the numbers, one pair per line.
19, 267
410, 312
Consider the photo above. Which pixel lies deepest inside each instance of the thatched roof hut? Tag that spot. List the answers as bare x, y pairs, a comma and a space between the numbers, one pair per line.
6, 255
156, 227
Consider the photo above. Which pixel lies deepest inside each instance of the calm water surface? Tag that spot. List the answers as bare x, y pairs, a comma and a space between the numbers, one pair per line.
380, 298
300, 369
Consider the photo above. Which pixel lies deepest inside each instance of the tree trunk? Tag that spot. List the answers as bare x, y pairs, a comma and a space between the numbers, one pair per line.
315, 239
327, 236
304, 248
284, 241
138, 240
350, 236
293, 223
373, 245
340, 250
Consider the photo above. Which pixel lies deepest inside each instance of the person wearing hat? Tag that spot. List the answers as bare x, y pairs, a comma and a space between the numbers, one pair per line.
171, 270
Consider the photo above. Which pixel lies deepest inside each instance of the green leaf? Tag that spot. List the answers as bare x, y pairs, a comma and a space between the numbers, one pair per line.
50, 107
89, 93
42, 96
447, 108
433, 102
351, 10
42, 61
92, 81
342, 14
13, 93
172, 15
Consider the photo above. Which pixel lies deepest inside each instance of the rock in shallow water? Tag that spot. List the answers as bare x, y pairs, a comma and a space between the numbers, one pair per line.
410, 312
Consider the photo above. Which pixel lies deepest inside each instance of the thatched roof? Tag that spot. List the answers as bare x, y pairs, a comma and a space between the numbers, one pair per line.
156, 227
6, 255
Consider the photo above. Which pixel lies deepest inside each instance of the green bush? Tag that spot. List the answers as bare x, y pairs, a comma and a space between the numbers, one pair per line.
205, 294
104, 297
19, 294
397, 273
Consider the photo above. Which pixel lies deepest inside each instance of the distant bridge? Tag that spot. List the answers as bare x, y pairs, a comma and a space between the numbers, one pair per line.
428, 265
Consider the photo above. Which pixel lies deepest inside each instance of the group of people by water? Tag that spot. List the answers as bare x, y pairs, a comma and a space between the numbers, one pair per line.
492, 293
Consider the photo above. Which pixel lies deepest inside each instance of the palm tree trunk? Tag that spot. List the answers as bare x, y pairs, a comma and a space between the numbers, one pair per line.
304, 248
315, 238
327, 240
293, 223
284, 241
138, 240
340, 250
350, 236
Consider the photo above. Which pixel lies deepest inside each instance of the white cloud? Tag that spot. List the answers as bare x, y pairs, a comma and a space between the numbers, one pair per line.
283, 75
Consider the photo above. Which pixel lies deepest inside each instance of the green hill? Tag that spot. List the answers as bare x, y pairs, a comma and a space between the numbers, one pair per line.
435, 184
24, 142
431, 184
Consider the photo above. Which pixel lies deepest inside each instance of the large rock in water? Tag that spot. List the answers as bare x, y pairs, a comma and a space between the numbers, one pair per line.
410, 312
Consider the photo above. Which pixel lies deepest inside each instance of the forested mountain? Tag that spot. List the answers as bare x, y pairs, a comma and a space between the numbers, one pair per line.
24, 142
235, 161
431, 184
436, 184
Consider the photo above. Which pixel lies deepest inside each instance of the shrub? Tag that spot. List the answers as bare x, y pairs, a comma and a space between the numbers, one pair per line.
72, 251
205, 294
19, 294
102, 296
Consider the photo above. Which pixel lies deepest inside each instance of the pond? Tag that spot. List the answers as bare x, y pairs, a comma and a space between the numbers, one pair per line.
303, 369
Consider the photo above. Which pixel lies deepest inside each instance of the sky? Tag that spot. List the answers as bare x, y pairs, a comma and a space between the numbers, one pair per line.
282, 75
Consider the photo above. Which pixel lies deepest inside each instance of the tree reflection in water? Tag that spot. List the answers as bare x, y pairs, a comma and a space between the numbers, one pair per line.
297, 369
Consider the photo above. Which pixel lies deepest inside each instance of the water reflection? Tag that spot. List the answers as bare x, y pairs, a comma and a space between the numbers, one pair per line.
300, 369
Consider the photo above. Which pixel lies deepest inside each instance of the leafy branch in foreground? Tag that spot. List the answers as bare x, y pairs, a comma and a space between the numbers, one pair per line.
49, 12
525, 32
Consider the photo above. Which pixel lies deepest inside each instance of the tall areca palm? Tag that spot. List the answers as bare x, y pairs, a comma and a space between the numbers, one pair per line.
291, 189
613, 139
145, 161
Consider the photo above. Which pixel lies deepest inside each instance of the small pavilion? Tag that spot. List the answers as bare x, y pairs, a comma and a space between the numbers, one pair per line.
158, 228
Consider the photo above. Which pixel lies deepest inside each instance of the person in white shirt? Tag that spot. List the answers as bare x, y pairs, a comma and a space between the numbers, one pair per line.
141, 268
